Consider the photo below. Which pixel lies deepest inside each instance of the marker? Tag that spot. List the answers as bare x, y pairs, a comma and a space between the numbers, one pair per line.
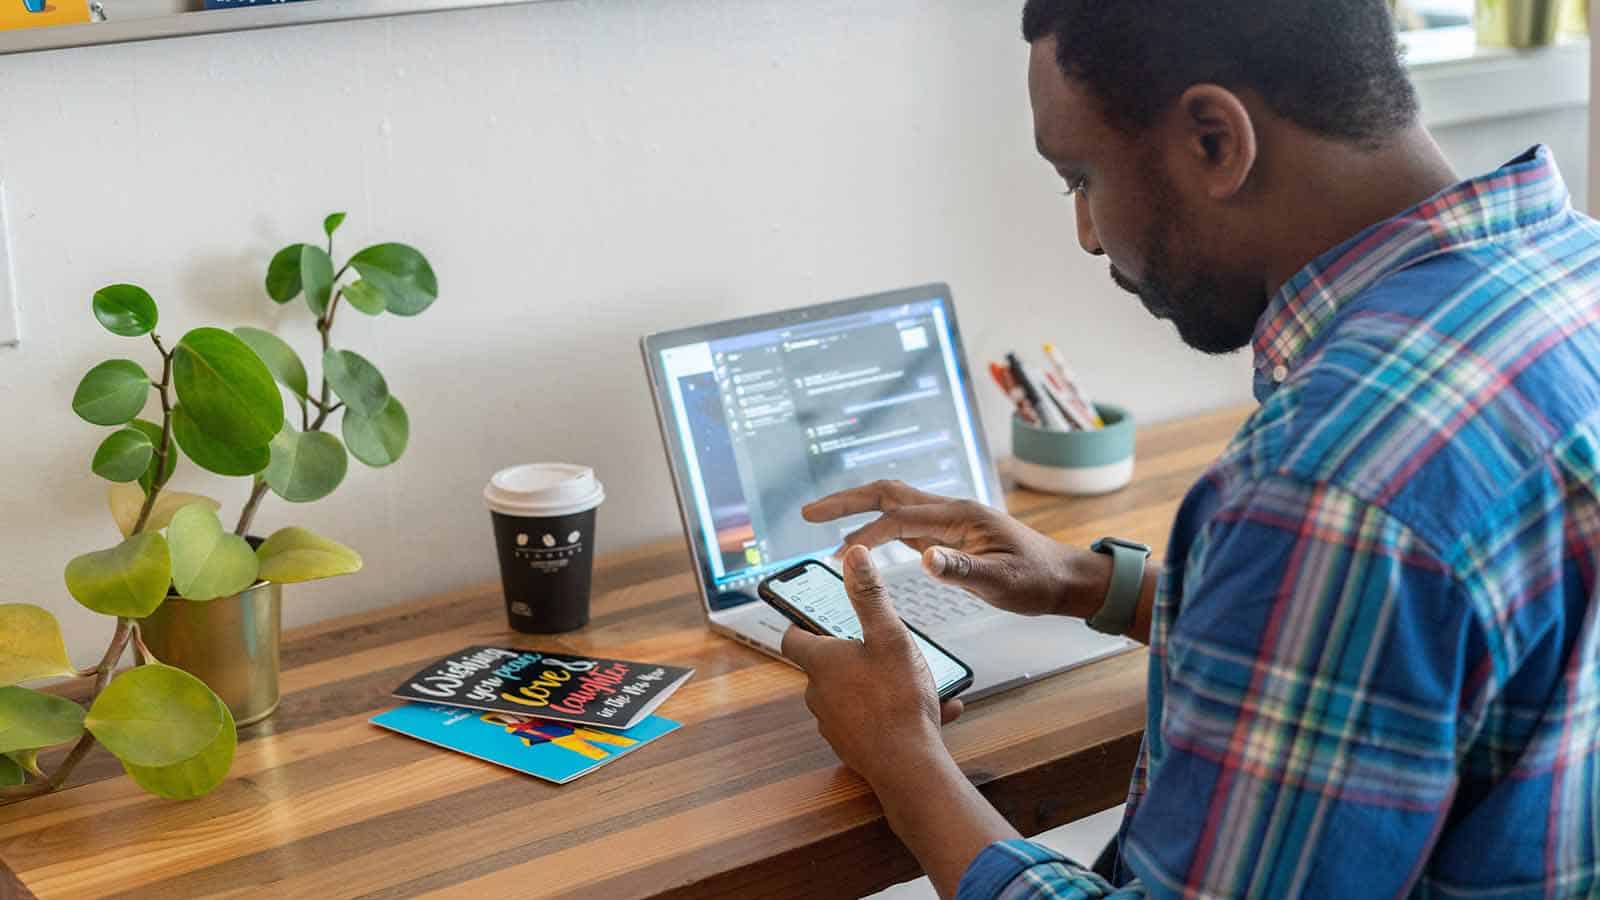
1065, 402
1073, 387
1010, 389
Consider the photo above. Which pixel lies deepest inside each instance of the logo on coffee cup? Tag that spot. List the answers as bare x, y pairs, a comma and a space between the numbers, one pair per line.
522, 540
549, 540
574, 537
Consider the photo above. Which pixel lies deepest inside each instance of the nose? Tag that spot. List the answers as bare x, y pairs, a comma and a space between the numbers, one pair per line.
1087, 238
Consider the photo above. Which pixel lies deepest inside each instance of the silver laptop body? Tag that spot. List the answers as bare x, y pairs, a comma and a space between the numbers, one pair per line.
761, 414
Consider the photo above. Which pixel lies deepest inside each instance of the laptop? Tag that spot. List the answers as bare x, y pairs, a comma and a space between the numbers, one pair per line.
762, 415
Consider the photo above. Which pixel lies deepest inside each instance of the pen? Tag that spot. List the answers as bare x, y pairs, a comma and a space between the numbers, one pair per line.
1048, 417
1071, 384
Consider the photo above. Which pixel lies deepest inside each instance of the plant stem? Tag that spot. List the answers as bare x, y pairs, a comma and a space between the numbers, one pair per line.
248, 514
165, 447
107, 667
325, 328
141, 653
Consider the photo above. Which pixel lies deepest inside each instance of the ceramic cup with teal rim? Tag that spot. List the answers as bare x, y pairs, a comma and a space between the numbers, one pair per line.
1075, 462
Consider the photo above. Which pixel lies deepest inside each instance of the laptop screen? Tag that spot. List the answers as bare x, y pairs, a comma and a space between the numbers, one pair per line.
764, 417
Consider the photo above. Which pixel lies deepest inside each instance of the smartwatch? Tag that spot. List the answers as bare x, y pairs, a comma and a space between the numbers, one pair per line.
1127, 580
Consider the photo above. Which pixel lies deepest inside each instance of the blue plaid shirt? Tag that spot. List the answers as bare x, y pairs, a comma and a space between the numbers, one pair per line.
1375, 661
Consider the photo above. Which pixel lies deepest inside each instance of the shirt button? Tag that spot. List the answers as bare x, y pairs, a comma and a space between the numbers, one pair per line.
1280, 374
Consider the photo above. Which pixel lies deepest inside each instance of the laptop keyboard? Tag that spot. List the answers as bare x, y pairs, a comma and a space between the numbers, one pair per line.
929, 604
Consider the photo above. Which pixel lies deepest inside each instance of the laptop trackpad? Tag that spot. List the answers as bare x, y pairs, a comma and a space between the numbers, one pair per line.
1015, 649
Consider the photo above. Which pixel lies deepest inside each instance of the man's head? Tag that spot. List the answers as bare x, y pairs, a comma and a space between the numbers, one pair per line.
1183, 130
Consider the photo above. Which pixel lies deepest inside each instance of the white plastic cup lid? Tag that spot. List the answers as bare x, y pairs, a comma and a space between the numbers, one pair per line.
544, 489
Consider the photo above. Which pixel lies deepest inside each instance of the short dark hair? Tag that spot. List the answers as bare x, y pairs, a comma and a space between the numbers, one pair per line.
1332, 67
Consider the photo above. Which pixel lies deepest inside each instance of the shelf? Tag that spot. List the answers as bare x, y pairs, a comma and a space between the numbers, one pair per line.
144, 20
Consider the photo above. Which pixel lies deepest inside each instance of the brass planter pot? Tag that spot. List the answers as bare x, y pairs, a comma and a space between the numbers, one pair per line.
1521, 24
230, 643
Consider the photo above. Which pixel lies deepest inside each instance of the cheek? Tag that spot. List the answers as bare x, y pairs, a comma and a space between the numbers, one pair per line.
1118, 233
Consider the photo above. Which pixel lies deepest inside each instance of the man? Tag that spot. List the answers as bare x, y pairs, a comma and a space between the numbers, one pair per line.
1374, 656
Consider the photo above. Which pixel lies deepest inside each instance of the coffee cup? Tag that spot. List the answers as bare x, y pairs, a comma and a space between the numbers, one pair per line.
544, 515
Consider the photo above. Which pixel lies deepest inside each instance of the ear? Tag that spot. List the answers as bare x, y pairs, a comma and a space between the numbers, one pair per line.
1217, 138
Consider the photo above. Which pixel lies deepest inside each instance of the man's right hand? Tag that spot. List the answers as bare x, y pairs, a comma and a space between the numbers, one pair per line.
970, 546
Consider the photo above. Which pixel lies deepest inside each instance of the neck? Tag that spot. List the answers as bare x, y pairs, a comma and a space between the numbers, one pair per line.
1332, 191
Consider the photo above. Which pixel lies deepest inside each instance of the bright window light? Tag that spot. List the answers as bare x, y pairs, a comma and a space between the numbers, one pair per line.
1413, 15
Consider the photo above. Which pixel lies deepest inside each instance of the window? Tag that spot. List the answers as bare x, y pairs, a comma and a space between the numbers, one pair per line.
1415, 15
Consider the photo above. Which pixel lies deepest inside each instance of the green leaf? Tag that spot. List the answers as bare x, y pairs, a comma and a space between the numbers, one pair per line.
155, 715
307, 466
283, 274
357, 382
196, 776
401, 274
211, 454
316, 272
294, 554
30, 644
30, 720
10, 772
208, 562
124, 455
28, 760
112, 393
280, 358
364, 297
147, 478
126, 501
378, 440
226, 387
332, 223
126, 309
130, 579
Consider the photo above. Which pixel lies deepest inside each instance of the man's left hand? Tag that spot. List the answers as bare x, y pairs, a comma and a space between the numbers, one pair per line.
874, 699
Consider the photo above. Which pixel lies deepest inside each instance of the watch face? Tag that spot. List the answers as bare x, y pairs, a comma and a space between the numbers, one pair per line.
1106, 543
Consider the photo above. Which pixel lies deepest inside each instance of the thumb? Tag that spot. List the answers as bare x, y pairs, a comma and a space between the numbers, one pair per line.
871, 601
980, 575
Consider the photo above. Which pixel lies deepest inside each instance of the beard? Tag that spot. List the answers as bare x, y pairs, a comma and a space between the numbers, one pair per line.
1214, 311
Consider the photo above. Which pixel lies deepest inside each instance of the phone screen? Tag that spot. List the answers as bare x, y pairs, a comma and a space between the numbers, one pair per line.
819, 594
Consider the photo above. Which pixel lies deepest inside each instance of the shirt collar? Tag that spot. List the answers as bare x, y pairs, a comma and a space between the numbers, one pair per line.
1524, 192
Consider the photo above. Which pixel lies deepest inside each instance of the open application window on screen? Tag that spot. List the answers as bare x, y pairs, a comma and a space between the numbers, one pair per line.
770, 421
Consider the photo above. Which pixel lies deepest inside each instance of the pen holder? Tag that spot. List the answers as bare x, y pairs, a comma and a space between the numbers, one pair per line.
1075, 462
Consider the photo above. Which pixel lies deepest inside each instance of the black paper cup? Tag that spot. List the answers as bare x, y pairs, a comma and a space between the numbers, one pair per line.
544, 532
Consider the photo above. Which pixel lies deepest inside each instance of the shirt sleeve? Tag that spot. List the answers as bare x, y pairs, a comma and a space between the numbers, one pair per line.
1022, 870
1306, 690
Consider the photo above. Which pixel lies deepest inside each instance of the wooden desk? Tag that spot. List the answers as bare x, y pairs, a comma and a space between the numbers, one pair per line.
745, 801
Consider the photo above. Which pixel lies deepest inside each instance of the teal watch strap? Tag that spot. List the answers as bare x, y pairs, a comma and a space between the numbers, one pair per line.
1127, 580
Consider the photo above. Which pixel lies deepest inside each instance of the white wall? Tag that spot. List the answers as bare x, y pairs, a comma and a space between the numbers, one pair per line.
580, 173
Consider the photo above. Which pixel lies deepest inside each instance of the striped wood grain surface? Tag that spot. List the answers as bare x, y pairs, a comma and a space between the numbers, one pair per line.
746, 801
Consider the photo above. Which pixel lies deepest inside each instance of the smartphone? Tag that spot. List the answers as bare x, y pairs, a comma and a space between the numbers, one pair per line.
812, 596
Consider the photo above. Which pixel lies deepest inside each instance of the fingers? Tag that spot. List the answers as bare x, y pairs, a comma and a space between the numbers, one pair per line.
924, 524
879, 622
984, 576
875, 497
800, 647
949, 711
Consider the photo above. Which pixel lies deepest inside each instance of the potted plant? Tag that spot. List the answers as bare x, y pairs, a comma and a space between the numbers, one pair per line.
191, 598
